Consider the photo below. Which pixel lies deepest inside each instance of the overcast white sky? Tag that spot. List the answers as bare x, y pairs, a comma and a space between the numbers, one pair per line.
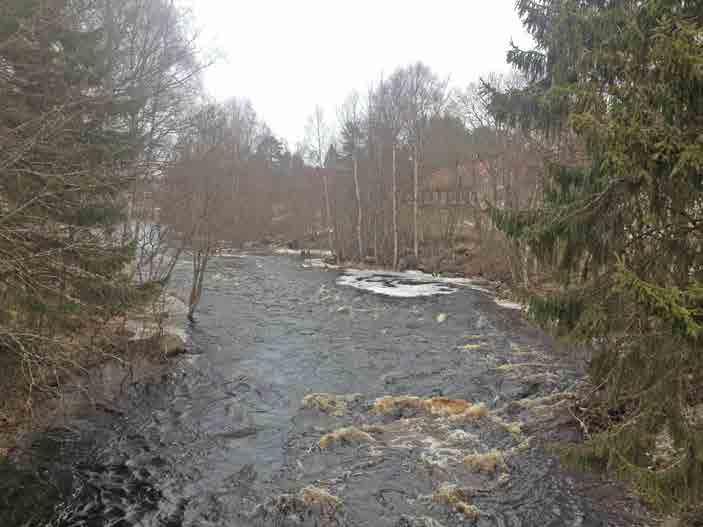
288, 56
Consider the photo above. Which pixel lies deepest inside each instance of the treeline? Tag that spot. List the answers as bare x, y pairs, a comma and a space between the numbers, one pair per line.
401, 176
407, 175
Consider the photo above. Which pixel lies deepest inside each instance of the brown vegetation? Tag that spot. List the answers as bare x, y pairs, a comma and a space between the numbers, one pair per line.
456, 409
345, 436
329, 403
453, 496
488, 462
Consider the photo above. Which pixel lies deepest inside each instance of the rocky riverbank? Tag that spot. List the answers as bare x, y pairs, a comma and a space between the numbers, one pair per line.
128, 351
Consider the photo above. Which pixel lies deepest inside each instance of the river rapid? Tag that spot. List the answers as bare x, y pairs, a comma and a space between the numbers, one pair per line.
283, 413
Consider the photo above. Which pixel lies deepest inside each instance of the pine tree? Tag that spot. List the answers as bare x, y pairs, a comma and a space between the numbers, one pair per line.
65, 158
622, 230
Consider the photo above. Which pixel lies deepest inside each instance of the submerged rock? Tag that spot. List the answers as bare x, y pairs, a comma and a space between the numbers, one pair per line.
171, 345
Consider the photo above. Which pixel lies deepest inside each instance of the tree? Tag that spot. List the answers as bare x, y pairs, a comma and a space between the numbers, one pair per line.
424, 97
385, 126
70, 154
622, 226
352, 120
318, 141
152, 79
197, 196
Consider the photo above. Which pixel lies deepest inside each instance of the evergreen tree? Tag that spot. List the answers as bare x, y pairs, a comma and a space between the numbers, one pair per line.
66, 165
623, 230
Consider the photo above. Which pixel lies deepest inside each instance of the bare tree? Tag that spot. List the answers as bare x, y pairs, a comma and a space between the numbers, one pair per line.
317, 136
197, 194
424, 98
351, 121
395, 209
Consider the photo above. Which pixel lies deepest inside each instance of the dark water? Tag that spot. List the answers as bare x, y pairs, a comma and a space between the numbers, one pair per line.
222, 440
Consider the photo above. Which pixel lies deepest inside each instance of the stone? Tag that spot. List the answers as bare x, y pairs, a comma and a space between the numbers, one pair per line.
171, 345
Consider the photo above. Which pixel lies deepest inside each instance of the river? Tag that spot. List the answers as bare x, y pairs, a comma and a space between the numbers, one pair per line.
224, 439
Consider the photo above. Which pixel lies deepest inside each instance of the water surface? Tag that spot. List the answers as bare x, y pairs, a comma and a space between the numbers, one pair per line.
223, 439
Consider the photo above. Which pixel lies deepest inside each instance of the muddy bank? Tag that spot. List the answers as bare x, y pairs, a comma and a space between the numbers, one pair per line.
306, 401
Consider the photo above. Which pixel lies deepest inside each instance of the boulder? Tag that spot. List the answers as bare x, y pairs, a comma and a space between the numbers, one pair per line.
171, 345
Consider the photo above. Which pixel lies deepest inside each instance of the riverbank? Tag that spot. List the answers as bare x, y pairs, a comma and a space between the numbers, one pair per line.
127, 351
30, 488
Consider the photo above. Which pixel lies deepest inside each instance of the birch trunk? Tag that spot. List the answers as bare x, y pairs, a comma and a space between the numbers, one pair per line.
415, 205
359, 211
395, 213
328, 210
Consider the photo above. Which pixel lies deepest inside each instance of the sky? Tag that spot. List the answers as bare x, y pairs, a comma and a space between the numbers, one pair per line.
289, 56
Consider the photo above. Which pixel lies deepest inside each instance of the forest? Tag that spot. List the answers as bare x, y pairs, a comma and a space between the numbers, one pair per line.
576, 181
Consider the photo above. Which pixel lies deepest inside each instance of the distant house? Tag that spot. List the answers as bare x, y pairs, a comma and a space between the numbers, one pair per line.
456, 186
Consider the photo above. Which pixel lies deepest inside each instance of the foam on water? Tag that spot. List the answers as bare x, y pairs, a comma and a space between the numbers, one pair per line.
407, 284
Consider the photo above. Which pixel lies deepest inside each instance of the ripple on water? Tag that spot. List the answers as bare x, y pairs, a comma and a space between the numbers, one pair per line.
239, 437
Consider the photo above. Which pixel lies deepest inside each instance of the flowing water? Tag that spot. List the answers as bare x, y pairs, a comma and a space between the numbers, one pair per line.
224, 439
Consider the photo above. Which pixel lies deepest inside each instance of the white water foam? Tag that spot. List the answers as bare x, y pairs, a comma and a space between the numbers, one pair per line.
400, 285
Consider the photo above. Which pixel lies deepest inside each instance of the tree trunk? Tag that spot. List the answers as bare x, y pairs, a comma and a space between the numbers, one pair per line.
200, 260
328, 210
359, 211
375, 236
415, 206
395, 213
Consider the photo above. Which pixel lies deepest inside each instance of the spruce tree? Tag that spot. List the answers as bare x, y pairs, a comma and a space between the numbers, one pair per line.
622, 230
65, 158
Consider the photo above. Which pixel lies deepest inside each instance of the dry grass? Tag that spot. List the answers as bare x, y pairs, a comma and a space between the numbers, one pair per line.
473, 413
456, 498
446, 407
456, 409
312, 496
487, 463
514, 428
389, 405
345, 436
329, 403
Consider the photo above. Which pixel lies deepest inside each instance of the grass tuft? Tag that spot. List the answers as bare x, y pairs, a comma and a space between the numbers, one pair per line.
346, 436
487, 463
458, 499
